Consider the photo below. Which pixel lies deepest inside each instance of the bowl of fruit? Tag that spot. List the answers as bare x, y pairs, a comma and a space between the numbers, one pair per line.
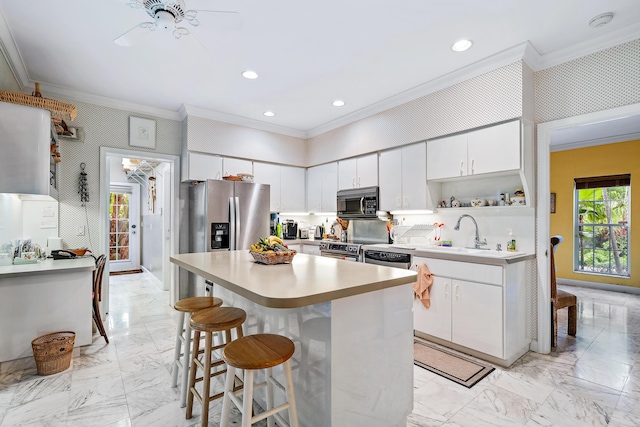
271, 250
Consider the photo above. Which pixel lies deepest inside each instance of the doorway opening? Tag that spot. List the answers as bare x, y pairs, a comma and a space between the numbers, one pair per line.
139, 215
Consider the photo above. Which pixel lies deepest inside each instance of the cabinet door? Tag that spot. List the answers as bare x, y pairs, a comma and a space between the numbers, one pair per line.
414, 176
435, 320
367, 175
390, 179
314, 189
203, 166
266, 173
477, 319
236, 166
347, 174
447, 157
494, 149
292, 194
329, 186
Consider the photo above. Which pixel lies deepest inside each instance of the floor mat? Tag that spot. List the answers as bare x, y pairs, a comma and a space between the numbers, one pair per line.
459, 369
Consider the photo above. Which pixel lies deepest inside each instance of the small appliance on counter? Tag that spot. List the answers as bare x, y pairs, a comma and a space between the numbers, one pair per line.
319, 233
289, 229
303, 233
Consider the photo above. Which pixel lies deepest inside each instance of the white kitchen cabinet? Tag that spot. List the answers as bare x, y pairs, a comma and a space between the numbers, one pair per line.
436, 320
475, 307
358, 172
287, 185
322, 185
292, 189
403, 178
200, 167
476, 316
483, 151
232, 166
267, 173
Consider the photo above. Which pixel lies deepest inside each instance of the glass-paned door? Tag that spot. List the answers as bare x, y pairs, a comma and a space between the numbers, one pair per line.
119, 226
124, 236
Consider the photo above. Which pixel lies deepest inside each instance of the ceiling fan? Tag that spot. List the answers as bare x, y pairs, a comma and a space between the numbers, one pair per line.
168, 14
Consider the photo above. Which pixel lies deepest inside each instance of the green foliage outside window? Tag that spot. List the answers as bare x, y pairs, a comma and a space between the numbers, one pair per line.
602, 235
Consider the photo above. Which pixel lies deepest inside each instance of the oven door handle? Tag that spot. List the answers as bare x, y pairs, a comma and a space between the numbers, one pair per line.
362, 205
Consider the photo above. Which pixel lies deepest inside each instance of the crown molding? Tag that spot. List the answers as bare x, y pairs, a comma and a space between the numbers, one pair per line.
596, 44
591, 142
190, 110
500, 59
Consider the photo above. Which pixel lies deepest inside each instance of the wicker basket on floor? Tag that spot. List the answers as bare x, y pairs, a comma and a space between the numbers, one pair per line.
53, 351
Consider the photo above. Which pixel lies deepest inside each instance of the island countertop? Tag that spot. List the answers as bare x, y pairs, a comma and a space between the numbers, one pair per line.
307, 280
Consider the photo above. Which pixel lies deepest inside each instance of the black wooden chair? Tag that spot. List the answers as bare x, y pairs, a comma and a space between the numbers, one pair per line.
97, 295
561, 299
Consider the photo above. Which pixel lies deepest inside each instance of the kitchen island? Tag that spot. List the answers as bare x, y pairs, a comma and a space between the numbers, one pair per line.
352, 324
48, 296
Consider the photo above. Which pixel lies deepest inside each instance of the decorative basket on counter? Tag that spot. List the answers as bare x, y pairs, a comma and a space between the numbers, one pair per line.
53, 351
271, 258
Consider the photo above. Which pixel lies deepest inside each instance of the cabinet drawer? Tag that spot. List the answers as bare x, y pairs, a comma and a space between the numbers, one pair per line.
482, 273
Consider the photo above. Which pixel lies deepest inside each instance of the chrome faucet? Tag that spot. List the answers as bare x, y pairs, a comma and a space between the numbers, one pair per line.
478, 242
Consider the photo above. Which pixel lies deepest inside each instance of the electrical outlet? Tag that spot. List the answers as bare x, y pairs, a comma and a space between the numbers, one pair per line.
80, 231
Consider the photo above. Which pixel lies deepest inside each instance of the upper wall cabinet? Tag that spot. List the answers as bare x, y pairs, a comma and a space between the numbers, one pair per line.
358, 172
489, 150
232, 166
200, 167
403, 178
322, 186
287, 184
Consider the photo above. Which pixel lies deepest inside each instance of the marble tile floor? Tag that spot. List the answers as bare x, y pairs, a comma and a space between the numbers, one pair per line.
591, 380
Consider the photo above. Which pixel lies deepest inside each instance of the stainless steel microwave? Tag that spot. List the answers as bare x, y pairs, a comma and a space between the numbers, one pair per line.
358, 203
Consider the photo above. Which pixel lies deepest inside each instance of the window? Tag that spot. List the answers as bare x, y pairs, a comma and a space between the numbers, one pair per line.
602, 225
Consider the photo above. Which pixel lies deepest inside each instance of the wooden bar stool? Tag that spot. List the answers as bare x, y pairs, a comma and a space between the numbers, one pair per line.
182, 355
210, 321
251, 353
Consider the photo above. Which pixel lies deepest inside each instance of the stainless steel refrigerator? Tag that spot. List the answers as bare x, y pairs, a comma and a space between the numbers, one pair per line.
226, 215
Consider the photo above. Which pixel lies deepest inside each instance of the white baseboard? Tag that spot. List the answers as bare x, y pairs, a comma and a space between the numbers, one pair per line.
153, 278
601, 286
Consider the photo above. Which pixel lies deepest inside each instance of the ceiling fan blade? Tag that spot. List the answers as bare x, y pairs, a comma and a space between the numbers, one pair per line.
135, 4
179, 32
219, 19
136, 33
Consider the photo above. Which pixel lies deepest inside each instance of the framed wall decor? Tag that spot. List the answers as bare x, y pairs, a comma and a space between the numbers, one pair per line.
553, 203
142, 132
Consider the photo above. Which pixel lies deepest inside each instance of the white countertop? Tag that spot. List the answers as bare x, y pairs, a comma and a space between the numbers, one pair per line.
48, 266
307, 280
477, 256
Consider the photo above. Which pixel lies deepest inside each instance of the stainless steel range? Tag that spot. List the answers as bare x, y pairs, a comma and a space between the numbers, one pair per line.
341, 250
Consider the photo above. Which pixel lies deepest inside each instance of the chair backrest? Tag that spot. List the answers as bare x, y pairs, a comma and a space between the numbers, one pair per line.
97, 277
555, 241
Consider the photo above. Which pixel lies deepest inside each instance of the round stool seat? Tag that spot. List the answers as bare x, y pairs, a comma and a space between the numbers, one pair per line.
217, 319
259, 351
193, 304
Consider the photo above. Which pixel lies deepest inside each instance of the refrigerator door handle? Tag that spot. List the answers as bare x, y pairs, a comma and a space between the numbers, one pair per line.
232, 224
238, 226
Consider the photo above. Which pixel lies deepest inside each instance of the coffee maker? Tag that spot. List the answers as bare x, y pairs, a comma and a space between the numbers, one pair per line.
289, 229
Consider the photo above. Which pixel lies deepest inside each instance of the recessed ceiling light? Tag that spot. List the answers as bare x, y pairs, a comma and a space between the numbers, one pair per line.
461, 45
269, 113
338, 103
600, 20
249, 74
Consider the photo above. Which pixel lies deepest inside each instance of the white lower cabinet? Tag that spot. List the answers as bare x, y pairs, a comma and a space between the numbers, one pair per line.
475, 306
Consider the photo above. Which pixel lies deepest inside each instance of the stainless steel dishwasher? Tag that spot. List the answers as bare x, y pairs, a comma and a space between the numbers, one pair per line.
388, 259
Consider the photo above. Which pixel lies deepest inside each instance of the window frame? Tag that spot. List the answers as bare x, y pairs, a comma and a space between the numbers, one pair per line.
595, 184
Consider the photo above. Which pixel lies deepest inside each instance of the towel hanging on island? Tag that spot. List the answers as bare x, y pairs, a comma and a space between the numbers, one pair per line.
422, 285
